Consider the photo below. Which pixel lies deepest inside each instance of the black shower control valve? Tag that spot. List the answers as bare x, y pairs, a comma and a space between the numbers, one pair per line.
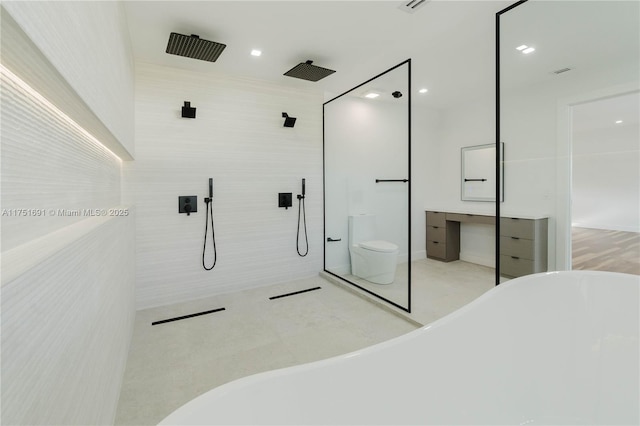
285, 199
300, 197
187, 204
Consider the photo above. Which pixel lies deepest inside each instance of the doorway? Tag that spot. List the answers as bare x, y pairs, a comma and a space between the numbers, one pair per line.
605, 184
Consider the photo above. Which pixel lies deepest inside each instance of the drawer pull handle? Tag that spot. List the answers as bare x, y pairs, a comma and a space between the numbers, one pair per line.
436, 242
515, 238
515, 257
435, 227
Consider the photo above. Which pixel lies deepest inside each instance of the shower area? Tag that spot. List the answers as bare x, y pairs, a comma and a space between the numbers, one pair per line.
367, 186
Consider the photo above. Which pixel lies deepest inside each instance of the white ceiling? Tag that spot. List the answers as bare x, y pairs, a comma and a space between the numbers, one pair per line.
581, 35
451, 43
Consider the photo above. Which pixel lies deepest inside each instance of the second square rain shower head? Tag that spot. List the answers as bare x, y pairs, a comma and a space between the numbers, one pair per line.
307, 71
194, 47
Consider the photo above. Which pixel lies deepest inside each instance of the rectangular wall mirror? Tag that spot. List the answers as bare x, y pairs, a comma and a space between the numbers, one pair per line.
478, 173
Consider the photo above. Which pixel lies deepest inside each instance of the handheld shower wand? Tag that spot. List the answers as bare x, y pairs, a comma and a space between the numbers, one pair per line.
301, 207
209, 208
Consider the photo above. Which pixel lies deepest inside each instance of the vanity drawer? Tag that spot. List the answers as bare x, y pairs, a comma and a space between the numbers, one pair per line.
436, 233
436, 219
515, 267
471, 218
518, 247
436, 249
521, 228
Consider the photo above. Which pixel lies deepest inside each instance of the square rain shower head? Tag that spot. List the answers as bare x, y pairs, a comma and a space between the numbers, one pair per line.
194, 47
306, 71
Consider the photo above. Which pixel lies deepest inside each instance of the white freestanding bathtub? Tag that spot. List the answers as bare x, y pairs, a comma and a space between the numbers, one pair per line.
556, 348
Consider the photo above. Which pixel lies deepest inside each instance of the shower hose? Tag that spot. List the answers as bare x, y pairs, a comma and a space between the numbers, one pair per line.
301, 208
209, 209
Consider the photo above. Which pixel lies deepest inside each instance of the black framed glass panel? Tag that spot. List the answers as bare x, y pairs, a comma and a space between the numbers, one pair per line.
367, 186
567, 112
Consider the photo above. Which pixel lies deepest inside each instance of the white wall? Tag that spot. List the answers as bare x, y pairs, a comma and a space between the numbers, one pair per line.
606, 178
67, 281
48, 162
88, 44
426, 140
67, 317
470, 124
239, 140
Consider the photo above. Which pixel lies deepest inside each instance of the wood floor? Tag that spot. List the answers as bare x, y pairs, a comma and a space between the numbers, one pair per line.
604, 250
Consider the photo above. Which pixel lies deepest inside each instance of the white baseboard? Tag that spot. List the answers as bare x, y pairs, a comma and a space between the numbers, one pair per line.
490, 262
606, 227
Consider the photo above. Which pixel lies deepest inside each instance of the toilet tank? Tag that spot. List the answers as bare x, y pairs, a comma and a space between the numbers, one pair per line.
362, 227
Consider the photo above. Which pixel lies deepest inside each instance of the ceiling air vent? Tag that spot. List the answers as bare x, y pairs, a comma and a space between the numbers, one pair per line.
560, 71
413, 5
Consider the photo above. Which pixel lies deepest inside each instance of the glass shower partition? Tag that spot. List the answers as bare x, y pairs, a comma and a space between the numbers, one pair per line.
555, 56
367, 186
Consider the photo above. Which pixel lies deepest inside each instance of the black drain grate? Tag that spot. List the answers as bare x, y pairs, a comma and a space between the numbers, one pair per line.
294, 293
187, 316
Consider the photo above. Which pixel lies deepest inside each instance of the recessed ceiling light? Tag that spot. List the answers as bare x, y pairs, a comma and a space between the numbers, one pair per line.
619, 121
256, 52
522, 47
528, 50
372, 95
423, 90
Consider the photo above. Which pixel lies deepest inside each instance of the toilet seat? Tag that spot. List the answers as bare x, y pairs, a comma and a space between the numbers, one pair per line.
379, 246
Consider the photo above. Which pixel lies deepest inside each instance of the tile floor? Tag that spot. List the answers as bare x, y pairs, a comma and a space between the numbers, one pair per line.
438, 288
170, 364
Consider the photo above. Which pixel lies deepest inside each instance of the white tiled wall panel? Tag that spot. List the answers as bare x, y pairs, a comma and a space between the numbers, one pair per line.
239, 140
67, 280
50, 166
88, 43
66, 328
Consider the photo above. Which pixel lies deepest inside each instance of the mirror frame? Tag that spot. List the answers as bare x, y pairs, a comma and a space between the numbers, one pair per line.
324, 257
463, 179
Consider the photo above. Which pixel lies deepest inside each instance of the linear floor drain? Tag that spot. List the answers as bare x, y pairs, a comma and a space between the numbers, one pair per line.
187, 316
294, 293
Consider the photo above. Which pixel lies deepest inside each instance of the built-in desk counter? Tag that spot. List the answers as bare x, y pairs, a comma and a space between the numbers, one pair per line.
523, 240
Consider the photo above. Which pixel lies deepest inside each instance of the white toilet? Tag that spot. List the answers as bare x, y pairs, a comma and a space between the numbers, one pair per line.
371, 259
